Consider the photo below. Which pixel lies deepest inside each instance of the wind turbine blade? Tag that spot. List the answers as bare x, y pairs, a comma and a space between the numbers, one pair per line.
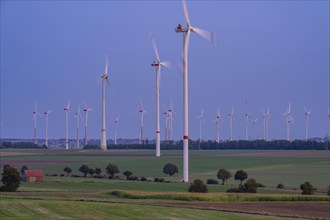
106, 65
185, 10
207, 35
289, 110
166, 64
154, 46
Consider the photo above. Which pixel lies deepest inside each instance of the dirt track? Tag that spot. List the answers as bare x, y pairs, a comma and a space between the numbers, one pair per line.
309, 210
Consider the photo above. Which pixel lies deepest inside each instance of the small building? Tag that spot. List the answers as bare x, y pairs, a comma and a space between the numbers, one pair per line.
31, 176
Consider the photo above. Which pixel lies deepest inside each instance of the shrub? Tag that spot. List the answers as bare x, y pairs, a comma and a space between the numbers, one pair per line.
156, 179
233, 190
250, 186
134, 178
198, 186
328, 191
143, 178
161, 180
307, 188
280, 186
212, 181
61, 174
10, 179
170, 169
260, 185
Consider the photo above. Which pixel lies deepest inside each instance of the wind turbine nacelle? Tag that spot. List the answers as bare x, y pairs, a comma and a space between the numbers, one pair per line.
155, 64
179, 28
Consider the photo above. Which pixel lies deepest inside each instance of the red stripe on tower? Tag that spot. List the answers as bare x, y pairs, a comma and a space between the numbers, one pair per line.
185, 137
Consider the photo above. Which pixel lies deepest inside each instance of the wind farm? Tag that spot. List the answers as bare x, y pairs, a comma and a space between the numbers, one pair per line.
238, 111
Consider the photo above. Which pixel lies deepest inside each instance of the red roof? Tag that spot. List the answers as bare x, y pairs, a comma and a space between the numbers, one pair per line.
33, 173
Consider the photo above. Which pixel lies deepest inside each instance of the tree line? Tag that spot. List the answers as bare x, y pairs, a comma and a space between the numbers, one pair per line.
228, 145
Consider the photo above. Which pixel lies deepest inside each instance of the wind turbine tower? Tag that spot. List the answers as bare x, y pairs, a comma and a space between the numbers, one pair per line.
166, 114
142, 111
78, 119
86, 110
230, 116
288, 120
66, 109
46, 115
307, 113
158, 64
186, 34
115, 121
104, 78
34, 118
170, 123
200, 118
246, 120
217, 126
266, 124
254, 123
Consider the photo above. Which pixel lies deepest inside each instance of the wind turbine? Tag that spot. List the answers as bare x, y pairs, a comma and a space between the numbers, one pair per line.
142, 111
217, 123
104, 78
34, 118
230, 116
186, 34
86, 110
115, 121
46, 115
200, 118
78, 119
266, 124
66, 109
307, 113
288, 120
158, 64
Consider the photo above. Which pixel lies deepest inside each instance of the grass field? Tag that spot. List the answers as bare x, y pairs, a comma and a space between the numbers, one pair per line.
61, 197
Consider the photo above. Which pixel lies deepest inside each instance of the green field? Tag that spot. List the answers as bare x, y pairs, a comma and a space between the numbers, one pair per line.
291, 171
61, 197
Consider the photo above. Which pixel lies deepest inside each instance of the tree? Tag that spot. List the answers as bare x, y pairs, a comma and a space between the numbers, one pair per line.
198, 186
91, 172
84, 169
241, 175
170, 169
98, 171
10, 179
68, 170
307, 188
224, 175
127, 174
111, 170
24, 167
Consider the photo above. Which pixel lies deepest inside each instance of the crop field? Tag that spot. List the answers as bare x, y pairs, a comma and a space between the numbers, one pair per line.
61, 197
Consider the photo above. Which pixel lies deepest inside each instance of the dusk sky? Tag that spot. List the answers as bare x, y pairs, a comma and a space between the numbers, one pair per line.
269, 53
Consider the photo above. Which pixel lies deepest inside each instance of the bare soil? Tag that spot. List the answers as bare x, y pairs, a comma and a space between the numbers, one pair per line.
308, 210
